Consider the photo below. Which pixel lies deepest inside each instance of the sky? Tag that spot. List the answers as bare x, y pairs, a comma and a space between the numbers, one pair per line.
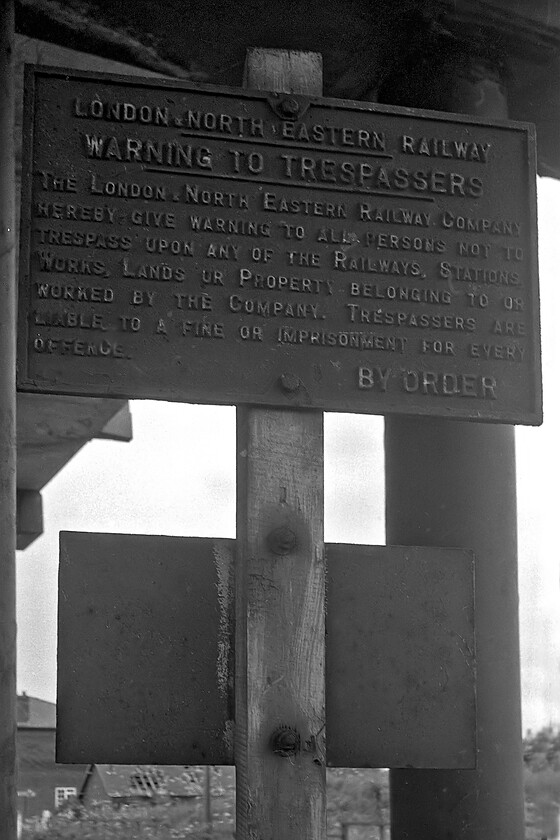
177, 477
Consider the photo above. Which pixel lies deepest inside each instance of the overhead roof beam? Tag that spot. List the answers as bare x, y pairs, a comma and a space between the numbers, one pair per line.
58, 24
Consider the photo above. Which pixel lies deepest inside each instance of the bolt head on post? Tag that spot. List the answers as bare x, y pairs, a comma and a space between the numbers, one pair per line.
285, 741
281, 540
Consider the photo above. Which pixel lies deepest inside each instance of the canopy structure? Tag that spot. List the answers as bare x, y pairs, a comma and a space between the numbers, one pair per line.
362, 43
380, 50
442, 480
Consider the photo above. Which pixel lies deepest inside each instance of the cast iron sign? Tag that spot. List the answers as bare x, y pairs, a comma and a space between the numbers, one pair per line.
228, 246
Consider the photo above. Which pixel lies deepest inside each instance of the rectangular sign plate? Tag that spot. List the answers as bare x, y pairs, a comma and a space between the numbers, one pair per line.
146, 649
225, 246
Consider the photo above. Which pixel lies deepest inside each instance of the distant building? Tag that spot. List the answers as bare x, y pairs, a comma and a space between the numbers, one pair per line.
123, 784
35, 713
43, 785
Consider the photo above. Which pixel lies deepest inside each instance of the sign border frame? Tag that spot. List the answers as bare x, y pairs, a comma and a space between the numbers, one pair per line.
27, 383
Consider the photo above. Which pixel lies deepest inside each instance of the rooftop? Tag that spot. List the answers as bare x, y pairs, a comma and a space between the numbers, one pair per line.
143, 781
33, 713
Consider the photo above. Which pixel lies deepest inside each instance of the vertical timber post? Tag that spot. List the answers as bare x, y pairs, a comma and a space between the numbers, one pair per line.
280, 585
8, 815
453, 483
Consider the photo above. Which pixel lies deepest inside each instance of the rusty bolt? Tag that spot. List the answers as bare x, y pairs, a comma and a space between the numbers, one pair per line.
281, 541
289, 107
285, 741
289, 382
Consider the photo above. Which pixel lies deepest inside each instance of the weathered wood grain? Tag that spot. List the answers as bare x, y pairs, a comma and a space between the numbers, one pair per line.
280, 586
284, 71
280, 680
8, 770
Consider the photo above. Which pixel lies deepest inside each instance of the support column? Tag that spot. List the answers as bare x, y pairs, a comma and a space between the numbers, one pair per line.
7, 432
453, 483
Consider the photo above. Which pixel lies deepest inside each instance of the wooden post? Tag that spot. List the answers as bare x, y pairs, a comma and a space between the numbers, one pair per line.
453, 483
8, 802
280, 634
280, 586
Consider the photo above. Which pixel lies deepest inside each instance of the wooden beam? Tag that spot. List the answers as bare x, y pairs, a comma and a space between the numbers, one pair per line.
56, 23
51, 429
119, 427
280, 586
29, 517
7, 430
284, 71
280, 582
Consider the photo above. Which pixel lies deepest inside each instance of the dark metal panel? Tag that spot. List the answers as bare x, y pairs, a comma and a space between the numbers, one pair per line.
144, 649
213, 245
400, 657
